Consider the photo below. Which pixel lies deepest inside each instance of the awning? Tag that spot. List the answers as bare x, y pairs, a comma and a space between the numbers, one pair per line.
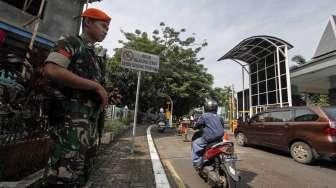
255, 48
26, 34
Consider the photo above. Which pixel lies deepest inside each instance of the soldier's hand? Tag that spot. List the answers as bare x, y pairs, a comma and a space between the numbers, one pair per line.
100, 90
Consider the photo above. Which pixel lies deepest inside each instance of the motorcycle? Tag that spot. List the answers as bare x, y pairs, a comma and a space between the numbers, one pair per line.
161, 126
219, 163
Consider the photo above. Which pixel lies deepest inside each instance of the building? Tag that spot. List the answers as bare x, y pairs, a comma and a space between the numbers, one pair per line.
61, 17
319, 74
265, 61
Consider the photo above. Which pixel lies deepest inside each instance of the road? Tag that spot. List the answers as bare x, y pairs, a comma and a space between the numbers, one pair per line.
259, 166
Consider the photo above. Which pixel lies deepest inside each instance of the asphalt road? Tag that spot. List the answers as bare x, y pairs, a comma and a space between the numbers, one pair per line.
259, 166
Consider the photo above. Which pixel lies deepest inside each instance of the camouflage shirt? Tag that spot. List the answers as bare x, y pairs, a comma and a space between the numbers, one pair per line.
78, 56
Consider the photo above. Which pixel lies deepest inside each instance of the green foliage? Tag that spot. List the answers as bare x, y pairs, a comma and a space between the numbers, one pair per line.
222, 95
299, 59
181, 76
114, 126
125, 120
318, 100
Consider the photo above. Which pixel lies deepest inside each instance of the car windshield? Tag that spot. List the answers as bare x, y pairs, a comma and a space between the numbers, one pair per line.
331, 112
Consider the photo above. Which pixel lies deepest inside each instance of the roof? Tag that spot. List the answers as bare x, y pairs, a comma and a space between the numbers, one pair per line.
255, 48
327, 42
314, 76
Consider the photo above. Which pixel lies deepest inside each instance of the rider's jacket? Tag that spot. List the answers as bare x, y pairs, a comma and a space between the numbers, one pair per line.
213, 126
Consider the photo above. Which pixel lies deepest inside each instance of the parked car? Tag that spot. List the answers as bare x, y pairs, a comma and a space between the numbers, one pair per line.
306, 132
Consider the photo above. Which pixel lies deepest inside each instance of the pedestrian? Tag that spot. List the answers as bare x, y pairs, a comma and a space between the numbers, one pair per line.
73, 68
247, 117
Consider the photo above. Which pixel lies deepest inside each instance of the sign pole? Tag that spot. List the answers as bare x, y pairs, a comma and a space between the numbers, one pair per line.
139, 61
136, 111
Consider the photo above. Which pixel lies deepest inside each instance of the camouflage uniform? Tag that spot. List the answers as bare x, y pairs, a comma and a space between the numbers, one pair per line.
74, 118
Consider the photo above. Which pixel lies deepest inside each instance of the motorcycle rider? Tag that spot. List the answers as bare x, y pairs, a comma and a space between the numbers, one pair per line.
213, 129
161, 115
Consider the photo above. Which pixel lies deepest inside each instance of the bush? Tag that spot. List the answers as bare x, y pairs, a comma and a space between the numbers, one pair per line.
125, 121
114, 126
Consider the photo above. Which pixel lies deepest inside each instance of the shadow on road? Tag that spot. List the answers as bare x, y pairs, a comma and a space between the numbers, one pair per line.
323, 162
169, 132
246, 177
270, 150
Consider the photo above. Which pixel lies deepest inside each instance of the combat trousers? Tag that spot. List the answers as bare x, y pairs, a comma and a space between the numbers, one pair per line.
75, 145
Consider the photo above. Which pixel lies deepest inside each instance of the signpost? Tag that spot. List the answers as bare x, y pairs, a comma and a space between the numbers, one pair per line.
139, 61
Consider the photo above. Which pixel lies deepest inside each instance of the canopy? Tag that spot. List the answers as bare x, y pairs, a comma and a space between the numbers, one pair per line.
255, 48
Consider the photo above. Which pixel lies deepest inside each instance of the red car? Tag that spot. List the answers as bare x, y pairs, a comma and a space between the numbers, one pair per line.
306, 132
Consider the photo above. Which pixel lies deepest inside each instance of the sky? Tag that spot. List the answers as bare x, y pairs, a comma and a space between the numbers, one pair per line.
223, 23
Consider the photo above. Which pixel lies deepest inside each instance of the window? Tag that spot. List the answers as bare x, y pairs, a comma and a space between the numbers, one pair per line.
305, 115
253, 67
259, 118
331, 112
280, 116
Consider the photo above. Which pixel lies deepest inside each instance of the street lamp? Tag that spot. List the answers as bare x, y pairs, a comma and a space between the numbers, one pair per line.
244, 69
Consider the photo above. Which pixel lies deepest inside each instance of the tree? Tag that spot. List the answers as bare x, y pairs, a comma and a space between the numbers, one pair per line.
181, 76
299, 59
222, 95
318, 99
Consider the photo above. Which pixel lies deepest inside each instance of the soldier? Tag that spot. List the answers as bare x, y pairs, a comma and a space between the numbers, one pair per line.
74, 69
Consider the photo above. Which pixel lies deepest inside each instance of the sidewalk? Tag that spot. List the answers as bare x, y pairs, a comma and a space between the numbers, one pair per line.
116, 167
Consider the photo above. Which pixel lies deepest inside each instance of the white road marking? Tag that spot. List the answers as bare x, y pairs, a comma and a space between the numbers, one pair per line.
161, 179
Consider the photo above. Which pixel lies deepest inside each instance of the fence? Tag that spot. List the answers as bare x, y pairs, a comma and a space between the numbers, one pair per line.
113, 112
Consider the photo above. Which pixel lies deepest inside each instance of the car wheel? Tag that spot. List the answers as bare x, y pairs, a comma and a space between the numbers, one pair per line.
241, 139
302, 152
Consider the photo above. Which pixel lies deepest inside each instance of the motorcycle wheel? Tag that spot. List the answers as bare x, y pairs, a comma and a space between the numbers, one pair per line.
229, 182
161, 130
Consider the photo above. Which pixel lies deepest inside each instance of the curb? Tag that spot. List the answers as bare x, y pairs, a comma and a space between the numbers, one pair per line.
28, 181
174, 175
161, 179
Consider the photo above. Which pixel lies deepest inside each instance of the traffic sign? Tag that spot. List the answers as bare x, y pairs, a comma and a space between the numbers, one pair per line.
141, 61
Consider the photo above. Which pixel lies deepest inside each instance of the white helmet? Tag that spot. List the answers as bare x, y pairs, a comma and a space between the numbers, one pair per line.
161, 110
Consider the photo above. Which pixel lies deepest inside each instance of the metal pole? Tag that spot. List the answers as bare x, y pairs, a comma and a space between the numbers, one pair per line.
233, 103
250, 93
237, 103
136, 110
240, 64
87, 4
243, 79
279, 76
306, 96
289, 86
171, 113
36, 26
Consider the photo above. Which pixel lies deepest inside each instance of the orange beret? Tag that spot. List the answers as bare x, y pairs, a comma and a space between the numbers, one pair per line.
96, 14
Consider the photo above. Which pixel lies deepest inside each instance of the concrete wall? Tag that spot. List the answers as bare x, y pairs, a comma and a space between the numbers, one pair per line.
61, 17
